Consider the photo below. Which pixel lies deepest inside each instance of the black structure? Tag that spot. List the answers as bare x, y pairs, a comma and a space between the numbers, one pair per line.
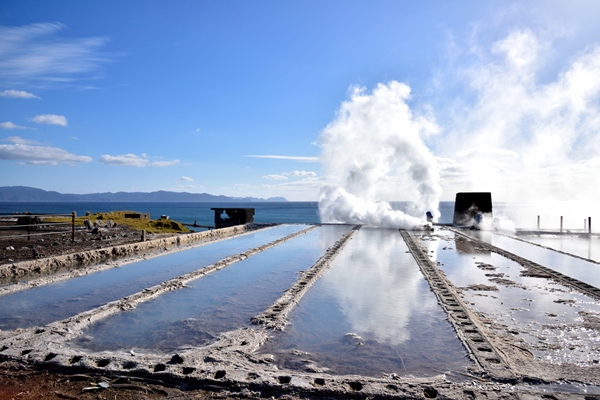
471, 207
235, 216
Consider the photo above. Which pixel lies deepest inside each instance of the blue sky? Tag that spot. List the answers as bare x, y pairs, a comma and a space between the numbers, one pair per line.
233, 97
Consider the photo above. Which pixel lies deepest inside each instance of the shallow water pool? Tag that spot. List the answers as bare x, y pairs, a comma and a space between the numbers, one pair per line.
216, 303
42, 305
371, 312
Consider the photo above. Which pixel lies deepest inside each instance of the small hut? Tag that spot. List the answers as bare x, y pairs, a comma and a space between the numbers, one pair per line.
225, 217
470, 208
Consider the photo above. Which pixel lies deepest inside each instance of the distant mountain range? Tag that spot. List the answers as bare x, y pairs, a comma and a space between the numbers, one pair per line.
29, 194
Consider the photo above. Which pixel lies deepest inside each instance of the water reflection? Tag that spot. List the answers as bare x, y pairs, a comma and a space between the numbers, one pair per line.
368, 314
219, 302
378, 287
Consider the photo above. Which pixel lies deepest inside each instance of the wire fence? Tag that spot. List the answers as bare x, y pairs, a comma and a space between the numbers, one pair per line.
18, 226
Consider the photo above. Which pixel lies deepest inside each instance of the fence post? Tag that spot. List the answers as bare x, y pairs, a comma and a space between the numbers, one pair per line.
73, 226
561, 224
590, 226
538, 223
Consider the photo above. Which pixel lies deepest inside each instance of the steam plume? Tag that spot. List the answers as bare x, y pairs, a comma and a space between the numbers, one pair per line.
374, 151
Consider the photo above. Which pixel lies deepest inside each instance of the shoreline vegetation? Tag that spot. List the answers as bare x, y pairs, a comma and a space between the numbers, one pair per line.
132, 219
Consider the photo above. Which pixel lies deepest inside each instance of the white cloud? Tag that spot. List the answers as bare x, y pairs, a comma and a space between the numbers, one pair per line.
133, 160
301, 173
306, 184
51, 119
163, 163
285, 175
487, 152
292, 158
525, 127
19, 140
10, 125
37, 154
35, 53
185, 179
18, 94
275, 177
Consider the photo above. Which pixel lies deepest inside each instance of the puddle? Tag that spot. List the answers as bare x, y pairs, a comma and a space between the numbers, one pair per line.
219, 302
42, 305
580, 246
553, 322
367, 315
585, 271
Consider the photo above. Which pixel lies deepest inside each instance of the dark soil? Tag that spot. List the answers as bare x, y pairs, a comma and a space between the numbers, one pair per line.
18, 245
22, 381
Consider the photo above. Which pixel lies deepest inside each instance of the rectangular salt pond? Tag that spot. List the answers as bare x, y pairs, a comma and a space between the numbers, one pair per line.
372, 311
586, 247
548, 317
222, 301
585, 271
44, 304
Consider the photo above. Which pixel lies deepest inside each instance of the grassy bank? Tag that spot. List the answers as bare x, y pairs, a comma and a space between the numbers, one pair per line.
128, 218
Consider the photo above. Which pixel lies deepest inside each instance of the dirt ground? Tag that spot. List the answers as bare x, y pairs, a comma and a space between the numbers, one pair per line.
22, 381
17, 245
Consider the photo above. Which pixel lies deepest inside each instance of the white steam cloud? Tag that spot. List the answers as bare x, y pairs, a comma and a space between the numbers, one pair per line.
529, 133
374, 151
